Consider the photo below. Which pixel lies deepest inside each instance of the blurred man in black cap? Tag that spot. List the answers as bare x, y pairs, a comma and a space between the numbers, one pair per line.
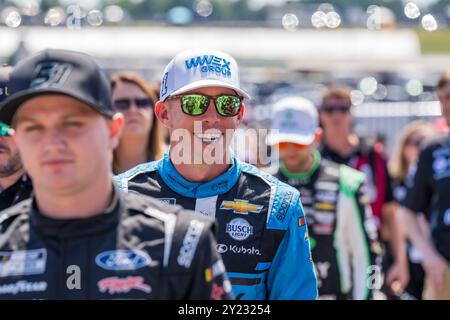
15, 185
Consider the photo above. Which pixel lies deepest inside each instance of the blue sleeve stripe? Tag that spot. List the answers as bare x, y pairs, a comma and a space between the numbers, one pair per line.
263, 266
243, 275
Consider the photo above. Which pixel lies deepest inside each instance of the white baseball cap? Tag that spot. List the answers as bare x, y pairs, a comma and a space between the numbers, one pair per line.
200, 68
295, 119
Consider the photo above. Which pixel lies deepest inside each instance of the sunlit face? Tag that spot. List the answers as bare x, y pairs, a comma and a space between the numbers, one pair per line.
65, 145
138, 116
336, 114
444, 98
10, 161
209, 130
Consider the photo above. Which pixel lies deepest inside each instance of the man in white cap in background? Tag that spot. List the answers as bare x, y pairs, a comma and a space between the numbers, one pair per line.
261, 227
340, 225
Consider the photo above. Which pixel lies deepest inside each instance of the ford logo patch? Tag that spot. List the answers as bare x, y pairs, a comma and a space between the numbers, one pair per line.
123, 259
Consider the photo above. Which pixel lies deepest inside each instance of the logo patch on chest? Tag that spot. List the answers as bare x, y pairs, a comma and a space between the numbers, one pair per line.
240, 206
123, 260
23, 262
239, 229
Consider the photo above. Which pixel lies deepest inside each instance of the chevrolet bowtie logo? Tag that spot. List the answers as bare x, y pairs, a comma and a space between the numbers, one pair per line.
240, 206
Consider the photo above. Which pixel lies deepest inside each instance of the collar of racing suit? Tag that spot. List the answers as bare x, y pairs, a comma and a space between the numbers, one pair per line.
73, 228
302, 175
219, 185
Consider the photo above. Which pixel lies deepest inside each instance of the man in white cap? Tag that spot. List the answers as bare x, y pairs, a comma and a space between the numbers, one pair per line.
342, 232
261, 226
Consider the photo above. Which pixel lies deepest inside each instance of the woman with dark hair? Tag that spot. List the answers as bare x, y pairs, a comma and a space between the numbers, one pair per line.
142, 137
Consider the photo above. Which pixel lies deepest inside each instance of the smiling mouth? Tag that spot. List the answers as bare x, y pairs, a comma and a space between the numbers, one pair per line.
208, 137
56, 162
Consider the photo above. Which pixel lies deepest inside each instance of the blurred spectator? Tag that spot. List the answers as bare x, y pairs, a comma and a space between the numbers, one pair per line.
15, 185
340, 144
429, 193
441, 125
343, 236
403, 158
141, 140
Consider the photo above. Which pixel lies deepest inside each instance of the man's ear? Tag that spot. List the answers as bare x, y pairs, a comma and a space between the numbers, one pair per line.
162, 113
240, 115
116, 126
12, 134
318, 136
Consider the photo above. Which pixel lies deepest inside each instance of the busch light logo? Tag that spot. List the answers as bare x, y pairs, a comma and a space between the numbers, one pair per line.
239, 229
51, 74
209, 64
123, 260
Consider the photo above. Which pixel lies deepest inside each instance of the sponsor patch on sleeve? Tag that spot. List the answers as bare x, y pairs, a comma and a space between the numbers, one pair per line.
301, 221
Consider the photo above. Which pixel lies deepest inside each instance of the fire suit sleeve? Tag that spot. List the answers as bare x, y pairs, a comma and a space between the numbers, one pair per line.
356, 236
210, 280
291, 275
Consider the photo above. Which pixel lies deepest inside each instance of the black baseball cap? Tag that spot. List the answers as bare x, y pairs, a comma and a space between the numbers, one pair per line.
69, 73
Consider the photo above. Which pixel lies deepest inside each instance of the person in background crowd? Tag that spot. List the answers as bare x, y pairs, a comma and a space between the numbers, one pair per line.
429, 194
340, 144
141, 139
401, 165
15, 185
341, 228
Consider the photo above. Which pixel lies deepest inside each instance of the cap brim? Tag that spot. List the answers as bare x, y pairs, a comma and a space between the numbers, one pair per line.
9, 106
292, 138
209, 83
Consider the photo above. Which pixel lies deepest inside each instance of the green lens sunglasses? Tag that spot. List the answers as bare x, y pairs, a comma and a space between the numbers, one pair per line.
197, 104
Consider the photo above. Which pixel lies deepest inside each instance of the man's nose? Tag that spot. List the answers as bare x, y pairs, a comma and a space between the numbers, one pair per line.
54, 139
211, 114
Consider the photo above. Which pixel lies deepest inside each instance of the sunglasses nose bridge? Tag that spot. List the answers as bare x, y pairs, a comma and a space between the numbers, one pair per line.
133, 105
212, 112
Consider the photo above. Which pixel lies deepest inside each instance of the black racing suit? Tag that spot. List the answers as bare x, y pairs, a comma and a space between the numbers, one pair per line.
138, 248
262, 229
341, 228
430, 191
17, 192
